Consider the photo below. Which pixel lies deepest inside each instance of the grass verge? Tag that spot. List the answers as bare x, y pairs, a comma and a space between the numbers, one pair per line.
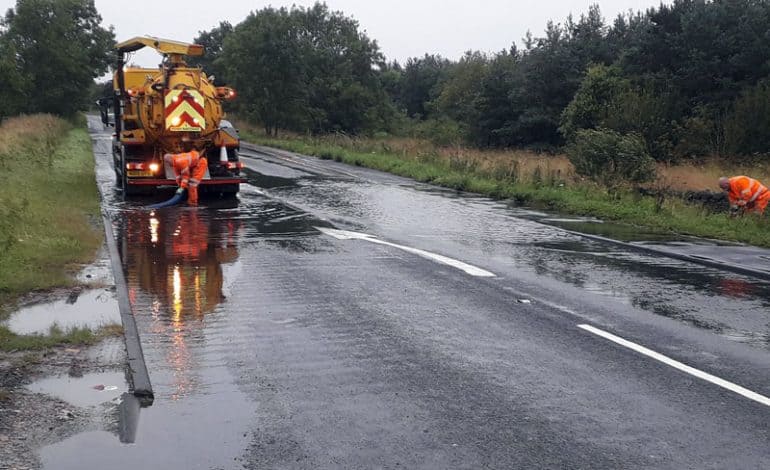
546, 186
49, 207
10, 341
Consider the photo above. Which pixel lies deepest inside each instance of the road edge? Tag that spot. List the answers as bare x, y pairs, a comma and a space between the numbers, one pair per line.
139, 376
703, 261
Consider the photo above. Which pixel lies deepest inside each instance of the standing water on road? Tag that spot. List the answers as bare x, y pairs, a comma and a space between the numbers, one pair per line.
243, 382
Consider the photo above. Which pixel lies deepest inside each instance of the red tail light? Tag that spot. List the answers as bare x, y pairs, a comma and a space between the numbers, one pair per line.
141, 166
225, 93
134, 92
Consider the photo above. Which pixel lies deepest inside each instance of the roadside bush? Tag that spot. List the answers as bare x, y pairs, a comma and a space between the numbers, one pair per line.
607, 100
698, 136
610, 158
594, 101
441, 132
747, 127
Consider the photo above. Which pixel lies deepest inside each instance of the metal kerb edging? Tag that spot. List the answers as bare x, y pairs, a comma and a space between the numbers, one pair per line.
140, 378
680, 256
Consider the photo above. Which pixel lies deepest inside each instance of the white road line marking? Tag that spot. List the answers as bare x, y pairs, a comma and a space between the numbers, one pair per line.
346, 235
678, 365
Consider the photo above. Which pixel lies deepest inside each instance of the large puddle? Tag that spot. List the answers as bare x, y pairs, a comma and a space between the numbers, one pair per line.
89, 309
179, 264
87, 390
545, 248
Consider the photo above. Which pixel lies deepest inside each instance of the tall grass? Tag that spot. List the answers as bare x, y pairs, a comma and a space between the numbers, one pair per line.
49, 204
703, 176
10, 341
521, 166
537, 180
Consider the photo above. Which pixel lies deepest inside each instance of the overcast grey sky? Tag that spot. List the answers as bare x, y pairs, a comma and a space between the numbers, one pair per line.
403, 28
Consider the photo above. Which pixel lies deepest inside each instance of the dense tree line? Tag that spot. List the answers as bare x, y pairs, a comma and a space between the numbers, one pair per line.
305, 69
689, 79
50, 53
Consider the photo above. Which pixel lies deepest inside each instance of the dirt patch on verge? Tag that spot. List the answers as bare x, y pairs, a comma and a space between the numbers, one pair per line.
30, 421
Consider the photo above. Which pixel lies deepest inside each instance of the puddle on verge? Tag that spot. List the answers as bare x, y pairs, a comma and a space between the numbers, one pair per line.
88, 390
200, 432
91, 309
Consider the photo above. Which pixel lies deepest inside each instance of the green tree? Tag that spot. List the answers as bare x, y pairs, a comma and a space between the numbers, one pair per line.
307, 69
264, 63
60, 48
212, 42
522, 95
391, 75
608, 100
13, 86
421, 84
345, 91
610, 158
500, 101
553, 68
747, 127
708, 51
592, 105
462, 89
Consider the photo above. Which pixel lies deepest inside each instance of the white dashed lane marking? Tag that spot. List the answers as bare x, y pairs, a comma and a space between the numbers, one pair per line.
346, 235
678, 365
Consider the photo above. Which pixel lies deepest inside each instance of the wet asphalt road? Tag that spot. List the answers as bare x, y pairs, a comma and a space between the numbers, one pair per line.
273, 343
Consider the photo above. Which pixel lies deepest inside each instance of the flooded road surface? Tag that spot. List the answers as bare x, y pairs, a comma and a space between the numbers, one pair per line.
513, 240
335, 317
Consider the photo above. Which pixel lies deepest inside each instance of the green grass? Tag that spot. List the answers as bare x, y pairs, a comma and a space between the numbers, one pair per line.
49, 205
674, 215
10, 341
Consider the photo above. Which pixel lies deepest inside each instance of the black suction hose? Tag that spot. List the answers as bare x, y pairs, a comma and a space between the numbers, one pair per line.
178, 198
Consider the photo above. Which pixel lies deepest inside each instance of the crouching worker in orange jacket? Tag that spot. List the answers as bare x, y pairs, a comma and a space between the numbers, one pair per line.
745, 194
189, 168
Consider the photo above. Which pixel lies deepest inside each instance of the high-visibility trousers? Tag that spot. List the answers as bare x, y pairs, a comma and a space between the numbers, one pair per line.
196, 175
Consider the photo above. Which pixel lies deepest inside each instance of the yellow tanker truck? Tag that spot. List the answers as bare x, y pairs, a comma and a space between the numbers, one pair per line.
158, 110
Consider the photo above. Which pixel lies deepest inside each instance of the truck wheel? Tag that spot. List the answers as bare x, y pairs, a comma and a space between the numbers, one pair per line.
124, 185
123, 175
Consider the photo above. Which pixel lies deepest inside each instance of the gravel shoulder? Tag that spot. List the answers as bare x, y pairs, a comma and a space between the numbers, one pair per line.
31, 419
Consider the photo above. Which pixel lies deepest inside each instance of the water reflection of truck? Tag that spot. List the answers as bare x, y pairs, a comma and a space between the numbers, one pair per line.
176, 258
157, 110
174, 267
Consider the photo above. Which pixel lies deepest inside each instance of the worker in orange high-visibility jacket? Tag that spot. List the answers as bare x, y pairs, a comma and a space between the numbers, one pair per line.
745, 194
189, 168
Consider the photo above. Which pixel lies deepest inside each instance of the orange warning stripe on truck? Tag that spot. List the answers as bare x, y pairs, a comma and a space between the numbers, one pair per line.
184, 111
